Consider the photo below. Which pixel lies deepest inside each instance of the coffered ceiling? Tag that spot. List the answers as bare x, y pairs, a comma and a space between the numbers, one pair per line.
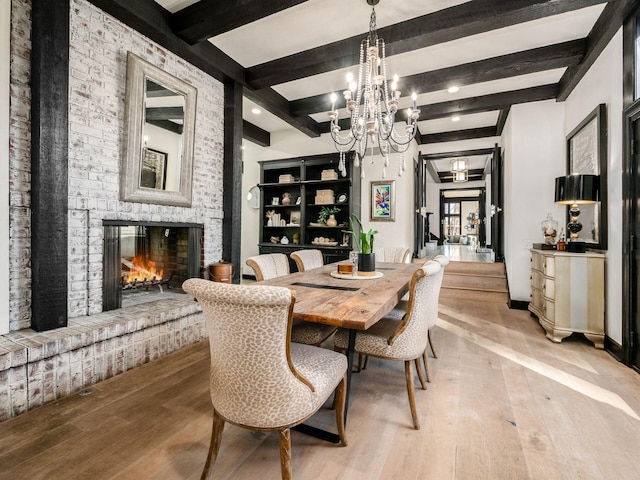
291, 54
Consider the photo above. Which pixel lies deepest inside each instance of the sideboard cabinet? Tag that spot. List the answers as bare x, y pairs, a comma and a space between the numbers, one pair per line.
293, 194
567, 294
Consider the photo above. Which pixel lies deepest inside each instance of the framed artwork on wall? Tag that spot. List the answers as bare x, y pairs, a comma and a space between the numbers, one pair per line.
153, 169
383, 201
587, 154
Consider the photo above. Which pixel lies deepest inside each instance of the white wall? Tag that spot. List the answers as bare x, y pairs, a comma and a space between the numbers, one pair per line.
533, 148
5, 29
398, 233
603, 84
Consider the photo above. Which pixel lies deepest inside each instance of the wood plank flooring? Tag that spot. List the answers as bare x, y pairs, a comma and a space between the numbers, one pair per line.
504, 403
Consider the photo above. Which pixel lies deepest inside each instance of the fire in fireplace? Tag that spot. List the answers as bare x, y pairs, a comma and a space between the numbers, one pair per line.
144, 260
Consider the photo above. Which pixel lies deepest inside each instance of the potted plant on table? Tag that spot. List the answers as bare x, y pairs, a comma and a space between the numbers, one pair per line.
363, 243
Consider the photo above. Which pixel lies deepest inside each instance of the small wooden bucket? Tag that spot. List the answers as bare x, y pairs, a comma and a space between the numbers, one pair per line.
221, 271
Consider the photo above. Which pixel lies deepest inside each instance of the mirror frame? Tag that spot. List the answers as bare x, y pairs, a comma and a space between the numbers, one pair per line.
130, 190
600, 161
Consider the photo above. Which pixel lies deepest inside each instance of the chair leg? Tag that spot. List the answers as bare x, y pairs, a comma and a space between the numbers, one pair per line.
339, 399
412, 396
366, 362
285, 454
418, 364
214, 446
425, 359
435, 355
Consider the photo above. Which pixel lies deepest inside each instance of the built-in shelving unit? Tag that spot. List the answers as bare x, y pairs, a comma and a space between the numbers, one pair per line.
302, 179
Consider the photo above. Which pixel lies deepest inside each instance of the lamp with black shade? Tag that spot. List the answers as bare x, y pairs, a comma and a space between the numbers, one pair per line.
576, 190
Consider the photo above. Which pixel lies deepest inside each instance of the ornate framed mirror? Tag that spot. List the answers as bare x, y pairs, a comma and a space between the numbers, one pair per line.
160, 113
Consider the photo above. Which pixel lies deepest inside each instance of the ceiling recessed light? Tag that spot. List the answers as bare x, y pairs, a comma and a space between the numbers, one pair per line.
256, 111
453, 89
455, 119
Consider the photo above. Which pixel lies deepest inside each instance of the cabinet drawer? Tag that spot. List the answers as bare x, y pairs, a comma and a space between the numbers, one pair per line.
549, 310
537, 279
537, 261
549, 268
549, 288
537, 299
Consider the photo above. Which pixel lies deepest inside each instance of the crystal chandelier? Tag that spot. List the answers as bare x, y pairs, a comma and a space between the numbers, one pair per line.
372, 107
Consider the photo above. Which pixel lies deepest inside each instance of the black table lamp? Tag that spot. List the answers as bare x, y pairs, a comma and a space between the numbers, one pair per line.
576, 190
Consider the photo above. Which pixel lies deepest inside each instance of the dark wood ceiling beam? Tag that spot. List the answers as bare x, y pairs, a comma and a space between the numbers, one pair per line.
456, 135
153, 21
521, 63
502, 120
167, 125
208, 18
474, 174
164, 113
467, 106
488, 103
275, 103
445, 25
430, 157
604, 29
255, 134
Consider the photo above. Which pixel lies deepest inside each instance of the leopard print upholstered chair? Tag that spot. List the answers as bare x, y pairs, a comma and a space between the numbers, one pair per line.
404, 339
307, 259
401, 309
274, 265
259, 379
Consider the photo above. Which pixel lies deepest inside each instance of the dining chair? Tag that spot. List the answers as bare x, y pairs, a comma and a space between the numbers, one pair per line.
272, 265
393, 254
404, 339
307, 259
259, 379
389, 255
401, 309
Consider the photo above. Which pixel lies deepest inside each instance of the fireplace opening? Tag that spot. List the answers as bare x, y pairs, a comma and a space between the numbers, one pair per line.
144, 262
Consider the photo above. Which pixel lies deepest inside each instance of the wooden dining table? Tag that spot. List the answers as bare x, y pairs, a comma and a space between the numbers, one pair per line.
353, 302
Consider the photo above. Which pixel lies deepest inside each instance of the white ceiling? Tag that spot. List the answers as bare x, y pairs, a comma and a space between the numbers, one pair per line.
315, 23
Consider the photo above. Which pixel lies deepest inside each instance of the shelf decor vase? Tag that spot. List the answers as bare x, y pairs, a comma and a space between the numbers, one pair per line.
331, 221
366, 264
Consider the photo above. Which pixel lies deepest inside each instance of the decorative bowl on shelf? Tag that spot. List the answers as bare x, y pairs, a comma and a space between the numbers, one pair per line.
325, 244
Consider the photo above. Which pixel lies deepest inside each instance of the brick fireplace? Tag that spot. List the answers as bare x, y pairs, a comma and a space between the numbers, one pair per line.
98, 343
144, 261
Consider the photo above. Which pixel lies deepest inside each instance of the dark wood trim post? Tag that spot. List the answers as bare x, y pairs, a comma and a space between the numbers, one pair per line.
49, 163
232, 177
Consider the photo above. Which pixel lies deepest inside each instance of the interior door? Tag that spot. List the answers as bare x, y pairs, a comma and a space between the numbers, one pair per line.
497, 199
634, 251
482, 234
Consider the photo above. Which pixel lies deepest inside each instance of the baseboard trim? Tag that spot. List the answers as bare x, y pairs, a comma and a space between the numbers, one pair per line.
248, 277
518, 304
613, 348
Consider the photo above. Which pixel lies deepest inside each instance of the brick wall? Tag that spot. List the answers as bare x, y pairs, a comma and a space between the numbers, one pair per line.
99, 46
20, 167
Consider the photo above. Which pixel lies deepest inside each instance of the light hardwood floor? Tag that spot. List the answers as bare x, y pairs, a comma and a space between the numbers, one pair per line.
504, 403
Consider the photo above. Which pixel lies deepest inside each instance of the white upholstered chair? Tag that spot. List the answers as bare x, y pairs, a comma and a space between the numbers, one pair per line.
389, 255
259, 379
274, 265
393, 254
270, 265
307, 259
403, 339
401, 309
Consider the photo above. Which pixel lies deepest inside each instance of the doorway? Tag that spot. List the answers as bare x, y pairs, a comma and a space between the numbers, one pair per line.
631, 252
462, 219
